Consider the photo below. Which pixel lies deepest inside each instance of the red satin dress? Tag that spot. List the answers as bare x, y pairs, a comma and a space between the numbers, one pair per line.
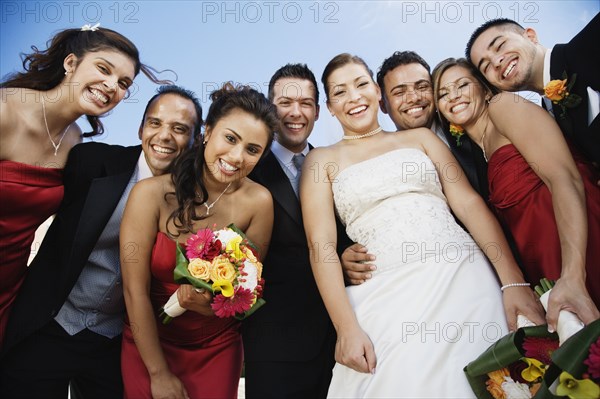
28, 196
205, 353
524, 204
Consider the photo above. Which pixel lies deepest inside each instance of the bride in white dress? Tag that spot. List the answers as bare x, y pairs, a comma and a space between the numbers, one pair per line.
434, 303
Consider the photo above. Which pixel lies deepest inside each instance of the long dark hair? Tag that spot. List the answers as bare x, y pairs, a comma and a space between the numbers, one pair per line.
442, 67
43, 69
187, 171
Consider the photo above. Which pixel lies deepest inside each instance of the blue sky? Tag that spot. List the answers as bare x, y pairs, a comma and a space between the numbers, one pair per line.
209, 42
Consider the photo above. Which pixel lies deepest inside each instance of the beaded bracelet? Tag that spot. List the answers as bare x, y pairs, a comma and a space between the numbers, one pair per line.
514, 285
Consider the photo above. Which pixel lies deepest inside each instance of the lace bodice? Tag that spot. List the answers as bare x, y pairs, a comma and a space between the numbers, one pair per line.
394, 205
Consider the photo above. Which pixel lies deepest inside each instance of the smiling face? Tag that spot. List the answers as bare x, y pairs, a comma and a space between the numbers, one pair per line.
408, 96
99, 79
167, 130
295, 100
353, 98
508, 59
461, 98
234, 146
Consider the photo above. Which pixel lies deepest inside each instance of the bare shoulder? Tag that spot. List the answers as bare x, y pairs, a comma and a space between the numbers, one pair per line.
155, 187
414, 137
256, 193
506, 101
8, 111
325, 155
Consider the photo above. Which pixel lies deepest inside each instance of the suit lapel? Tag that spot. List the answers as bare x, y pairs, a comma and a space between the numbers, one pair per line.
102, 198
270, 174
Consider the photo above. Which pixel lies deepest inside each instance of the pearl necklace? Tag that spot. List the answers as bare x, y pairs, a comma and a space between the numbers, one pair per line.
209, 207
56, 146
361, 136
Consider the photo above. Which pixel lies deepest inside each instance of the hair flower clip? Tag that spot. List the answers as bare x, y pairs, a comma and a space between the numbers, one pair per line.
89, 27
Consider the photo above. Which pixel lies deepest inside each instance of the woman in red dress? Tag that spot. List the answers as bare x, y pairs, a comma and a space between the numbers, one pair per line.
541, 189
198, 354
82, 72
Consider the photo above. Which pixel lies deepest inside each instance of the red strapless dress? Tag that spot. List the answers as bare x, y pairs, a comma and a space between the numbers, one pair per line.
524, 204
205, 353
28, 196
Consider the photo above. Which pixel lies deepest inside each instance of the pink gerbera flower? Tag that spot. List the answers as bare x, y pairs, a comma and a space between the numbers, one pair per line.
198, 245
540, 348
227, 307
593, 360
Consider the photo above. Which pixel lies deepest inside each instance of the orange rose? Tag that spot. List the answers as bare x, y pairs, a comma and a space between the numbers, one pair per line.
556, 90
200, 268
498, 375
495, 389
222, 269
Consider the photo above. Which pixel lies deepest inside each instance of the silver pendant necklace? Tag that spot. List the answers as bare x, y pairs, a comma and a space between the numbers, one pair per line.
56, 146
209, 206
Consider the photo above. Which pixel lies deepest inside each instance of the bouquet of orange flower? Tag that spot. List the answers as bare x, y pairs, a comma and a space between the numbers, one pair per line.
514, 366
533, 363
225, 263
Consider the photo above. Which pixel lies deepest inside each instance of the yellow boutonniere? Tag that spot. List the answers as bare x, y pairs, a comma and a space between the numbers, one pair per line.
457, 132
558, 91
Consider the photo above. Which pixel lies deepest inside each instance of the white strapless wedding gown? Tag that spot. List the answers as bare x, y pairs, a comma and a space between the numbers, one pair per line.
434, 303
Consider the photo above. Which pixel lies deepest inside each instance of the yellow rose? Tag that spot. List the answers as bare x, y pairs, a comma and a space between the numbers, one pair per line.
200, 268
556, 90
222, 269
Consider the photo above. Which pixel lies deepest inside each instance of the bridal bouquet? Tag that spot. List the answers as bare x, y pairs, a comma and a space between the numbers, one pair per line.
533, 363
225, 263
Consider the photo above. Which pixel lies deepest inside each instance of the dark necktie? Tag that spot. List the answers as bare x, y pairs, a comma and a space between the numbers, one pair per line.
297, 160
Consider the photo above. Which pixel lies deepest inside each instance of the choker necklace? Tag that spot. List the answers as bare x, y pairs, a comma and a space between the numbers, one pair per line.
362, 136
209, 207
56, 146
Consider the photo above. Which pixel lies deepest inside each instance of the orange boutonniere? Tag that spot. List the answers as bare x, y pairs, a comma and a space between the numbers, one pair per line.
457, 131
559, 92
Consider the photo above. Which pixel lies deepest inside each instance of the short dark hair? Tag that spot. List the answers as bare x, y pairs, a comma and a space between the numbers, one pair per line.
299, 71
184, 93
397, 59
339, 61
503, 22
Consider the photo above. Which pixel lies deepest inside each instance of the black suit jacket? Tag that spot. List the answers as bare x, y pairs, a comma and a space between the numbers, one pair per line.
470, 157
580, 56
293, 325
95, 177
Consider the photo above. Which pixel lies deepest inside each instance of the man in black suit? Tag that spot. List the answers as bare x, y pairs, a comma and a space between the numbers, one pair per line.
65, 326
407, 97
512, 59
289, 342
